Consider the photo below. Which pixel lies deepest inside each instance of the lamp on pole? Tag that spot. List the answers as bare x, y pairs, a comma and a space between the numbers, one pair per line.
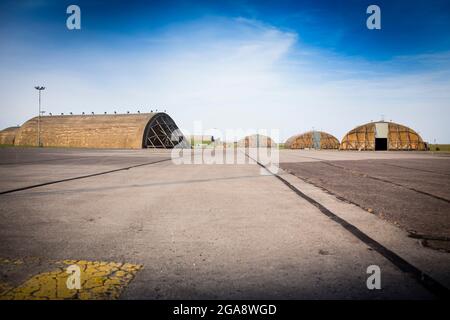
39, 116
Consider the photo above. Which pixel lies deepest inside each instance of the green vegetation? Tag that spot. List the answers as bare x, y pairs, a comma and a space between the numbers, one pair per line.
440, 147
195, 142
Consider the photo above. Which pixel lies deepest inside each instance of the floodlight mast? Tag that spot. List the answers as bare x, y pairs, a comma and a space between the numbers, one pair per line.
39, 88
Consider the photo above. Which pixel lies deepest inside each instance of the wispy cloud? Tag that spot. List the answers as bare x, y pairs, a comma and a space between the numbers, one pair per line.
236, 73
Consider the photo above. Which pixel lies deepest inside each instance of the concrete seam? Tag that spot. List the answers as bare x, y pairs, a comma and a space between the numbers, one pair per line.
425, 280
81, 177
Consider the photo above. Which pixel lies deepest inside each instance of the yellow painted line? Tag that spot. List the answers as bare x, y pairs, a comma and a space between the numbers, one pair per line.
98, 281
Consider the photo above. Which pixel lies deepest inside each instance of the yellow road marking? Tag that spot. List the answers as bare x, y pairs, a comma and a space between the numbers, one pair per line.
99, 280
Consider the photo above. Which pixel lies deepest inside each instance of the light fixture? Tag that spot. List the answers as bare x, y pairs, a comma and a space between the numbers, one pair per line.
39, 88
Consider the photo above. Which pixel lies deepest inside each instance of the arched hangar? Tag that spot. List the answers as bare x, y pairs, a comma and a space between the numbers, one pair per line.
127, 131
312, 140
8, 135
256, 141
383, 136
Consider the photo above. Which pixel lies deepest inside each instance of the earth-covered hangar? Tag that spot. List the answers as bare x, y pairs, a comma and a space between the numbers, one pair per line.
383, 135
8, 135
312, 140
127, 131
256, 141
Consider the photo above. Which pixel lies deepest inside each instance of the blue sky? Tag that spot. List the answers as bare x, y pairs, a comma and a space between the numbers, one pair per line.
288, 65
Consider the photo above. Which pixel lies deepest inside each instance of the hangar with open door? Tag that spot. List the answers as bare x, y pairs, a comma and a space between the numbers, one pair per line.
124, 131
383, 136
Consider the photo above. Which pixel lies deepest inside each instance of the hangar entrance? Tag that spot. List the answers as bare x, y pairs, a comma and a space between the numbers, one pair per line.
162, 132
316, 139
381, 144
381, 135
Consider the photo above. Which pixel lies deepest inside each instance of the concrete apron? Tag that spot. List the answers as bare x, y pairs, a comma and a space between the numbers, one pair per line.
213, 232
432, 262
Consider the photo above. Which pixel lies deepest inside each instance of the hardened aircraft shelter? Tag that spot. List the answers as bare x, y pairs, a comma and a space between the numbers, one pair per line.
7, 135
125, 131
256, 141
312, 140
383, 136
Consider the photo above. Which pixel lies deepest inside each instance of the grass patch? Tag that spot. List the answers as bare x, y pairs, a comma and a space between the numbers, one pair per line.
439, 147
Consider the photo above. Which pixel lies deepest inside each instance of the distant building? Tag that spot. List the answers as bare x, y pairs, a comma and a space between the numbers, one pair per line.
200, 139
8, 135
126, 131
383, 136
256, 141
312, 140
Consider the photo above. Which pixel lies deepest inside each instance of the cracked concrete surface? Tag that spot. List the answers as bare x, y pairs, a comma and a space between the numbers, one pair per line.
200, 231
99, 281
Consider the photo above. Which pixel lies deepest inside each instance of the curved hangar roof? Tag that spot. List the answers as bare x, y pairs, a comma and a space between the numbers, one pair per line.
312, 140
129, 131
7, 135
382, 136
256, 141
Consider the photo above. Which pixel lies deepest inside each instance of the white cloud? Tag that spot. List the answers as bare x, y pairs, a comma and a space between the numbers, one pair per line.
234, 73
